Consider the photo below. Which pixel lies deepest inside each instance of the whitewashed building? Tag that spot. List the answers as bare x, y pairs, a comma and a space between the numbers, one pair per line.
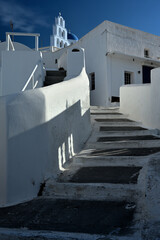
118, 55
61, 37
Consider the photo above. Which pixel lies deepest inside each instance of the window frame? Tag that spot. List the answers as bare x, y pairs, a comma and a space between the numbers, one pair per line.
146, 53
127, 77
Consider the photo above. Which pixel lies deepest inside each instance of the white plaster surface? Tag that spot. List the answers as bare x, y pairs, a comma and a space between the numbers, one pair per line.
49, 60
17, 67
142, 102
62, 61
40, 130
109, 70
18, 46
116, 68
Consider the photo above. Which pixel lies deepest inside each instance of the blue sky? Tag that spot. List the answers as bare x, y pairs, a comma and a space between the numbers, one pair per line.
81, 16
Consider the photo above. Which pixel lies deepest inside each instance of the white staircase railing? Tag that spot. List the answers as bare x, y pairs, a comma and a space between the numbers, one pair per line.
9, 41
49, 49
31, 79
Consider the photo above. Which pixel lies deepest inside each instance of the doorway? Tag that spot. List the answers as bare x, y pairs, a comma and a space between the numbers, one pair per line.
146, 74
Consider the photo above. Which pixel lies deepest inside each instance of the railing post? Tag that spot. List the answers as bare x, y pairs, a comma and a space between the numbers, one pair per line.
7, 40
33, 81
36, 42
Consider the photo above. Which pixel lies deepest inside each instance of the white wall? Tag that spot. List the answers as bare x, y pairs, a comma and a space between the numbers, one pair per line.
117, 67
17, 67
142, 103
94, 44
18, 46
135, 100
131, 41
62, 61
50, 57
49, 60
72, 60
109, 70
40, 130
75, 61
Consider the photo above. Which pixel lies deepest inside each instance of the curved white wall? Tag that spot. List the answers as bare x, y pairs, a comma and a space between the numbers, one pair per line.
18, 46
40, 130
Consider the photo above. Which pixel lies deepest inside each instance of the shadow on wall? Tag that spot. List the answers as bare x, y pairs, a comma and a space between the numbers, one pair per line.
40, 152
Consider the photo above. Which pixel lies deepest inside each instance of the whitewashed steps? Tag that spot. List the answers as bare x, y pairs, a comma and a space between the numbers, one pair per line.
92, 191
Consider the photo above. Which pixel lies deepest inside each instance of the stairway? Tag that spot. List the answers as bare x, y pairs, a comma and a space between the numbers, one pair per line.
109, 171
53, 77
101, 193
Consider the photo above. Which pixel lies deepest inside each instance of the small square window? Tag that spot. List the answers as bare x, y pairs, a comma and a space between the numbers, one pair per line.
146, 53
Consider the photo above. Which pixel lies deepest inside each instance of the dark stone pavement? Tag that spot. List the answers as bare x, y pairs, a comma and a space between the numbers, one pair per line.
121, 128
127, 138
118, 175
95, 217
126, 152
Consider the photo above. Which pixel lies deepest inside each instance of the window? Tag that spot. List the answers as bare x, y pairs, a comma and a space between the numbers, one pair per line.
57, 42
146, 53
92, 81
61, 22
115, 99
75, 50
127, 78
63, 34
146, 74
61, 44
60, 32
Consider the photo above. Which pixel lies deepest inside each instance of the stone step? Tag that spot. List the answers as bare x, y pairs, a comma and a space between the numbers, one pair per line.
55, 73
70, 216
124, 152
92, 191
122, 144
127, 138
119, 133
111, 174
85, 160
105, 113
100, 108
108, 116
96, 183
121, 128
111, 120
52, 80
25, 234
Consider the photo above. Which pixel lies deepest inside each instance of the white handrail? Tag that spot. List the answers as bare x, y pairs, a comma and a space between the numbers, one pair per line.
9, 41
49, 48
22, 34
36, 35
29, 79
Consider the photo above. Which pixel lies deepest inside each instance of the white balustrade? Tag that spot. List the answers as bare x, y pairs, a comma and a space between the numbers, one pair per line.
9, 41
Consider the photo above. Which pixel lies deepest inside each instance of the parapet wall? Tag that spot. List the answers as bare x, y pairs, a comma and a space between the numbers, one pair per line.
40, 130
142, 102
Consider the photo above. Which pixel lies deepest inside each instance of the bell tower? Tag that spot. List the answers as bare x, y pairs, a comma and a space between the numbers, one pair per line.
59, 37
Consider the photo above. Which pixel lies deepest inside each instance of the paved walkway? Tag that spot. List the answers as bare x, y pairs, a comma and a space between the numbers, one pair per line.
102, 193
